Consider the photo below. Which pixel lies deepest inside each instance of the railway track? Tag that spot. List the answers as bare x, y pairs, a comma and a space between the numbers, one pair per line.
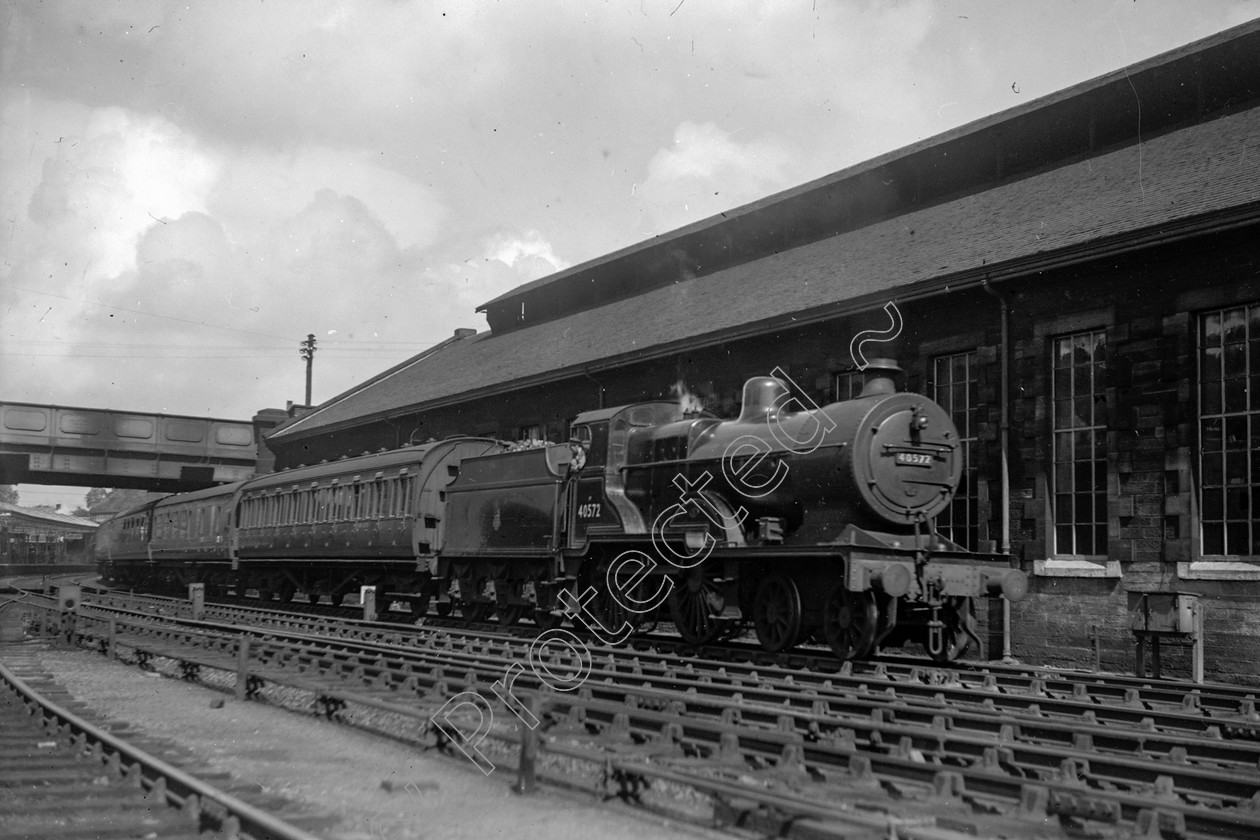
63, 777
857, 751
1116, 697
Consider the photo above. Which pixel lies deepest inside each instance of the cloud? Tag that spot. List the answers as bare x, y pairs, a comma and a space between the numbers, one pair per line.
497, 263
142, 270
259, 185
533, 253
106, 176
705, 171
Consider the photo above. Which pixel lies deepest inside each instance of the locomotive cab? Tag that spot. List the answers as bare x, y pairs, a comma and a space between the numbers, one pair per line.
610, 438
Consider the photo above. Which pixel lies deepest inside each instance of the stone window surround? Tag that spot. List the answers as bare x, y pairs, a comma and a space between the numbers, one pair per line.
1044, 332
1216, 567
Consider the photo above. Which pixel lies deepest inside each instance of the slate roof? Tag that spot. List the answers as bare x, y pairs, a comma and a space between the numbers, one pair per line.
1116, 109
1167, 184
46, 517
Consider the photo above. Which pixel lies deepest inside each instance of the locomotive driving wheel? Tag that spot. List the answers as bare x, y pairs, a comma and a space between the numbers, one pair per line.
696, 604
849, 622
777, 613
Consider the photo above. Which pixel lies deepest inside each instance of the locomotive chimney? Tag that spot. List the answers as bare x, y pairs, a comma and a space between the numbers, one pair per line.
763, 396
879, 378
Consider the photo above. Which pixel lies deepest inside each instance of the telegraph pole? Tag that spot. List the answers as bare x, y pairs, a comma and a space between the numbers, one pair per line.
308, 352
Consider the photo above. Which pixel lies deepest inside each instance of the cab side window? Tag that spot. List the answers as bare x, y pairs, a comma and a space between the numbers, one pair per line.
596, 442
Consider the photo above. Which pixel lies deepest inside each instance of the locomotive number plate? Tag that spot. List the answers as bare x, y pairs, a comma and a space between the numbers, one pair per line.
914, 459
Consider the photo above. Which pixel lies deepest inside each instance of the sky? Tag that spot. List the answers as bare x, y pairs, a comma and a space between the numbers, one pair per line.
189, 189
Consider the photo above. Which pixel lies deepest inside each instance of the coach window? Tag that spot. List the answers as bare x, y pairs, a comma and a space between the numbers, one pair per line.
406, 486
955, 387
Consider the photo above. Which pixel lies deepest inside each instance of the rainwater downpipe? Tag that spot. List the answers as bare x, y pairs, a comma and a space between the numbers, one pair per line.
1004, 426
599, 385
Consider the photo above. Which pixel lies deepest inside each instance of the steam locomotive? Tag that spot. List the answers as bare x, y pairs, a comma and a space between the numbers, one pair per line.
807, 523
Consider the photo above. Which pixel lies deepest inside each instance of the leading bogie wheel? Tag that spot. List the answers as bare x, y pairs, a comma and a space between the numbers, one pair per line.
849, 622
777, 613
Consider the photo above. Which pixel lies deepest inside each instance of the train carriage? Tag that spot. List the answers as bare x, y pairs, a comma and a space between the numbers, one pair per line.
331, 528
122, 543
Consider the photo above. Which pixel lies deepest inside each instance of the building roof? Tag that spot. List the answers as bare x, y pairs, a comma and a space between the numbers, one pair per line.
54, 521
1119, 108
1190, 179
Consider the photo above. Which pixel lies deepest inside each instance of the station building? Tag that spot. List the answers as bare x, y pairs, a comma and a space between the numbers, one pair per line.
37, 538
1077, 280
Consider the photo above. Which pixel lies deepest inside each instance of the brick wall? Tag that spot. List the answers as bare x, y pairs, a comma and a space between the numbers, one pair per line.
1145, 305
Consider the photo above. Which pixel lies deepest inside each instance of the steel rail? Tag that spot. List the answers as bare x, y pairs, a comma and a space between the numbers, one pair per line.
340, 659
817, 668
950, 733
808, 666
180, 789
971, 709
